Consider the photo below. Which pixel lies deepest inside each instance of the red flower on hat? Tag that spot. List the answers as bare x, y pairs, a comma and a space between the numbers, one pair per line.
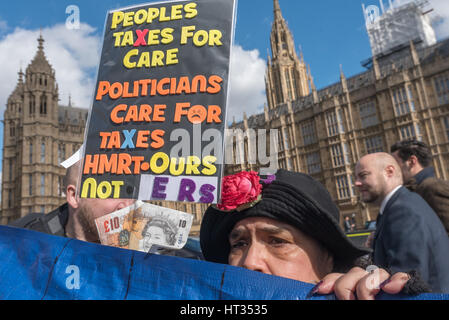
240, 191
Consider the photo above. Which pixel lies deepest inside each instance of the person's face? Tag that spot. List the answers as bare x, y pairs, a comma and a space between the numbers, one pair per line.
92, 209
404, 165
369, 181
153, 235
276, 248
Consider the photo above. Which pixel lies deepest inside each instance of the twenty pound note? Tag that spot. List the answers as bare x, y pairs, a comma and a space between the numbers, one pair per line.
142, 225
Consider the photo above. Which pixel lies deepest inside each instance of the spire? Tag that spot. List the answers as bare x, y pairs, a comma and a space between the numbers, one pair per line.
245, 120
41, 42
376, 69
284, 61
267, 116
301, 55
312, 83
343, 81
309, 74
342, 75
18, 91
70, 100
20, 75
314, 91
40, 63
277, 9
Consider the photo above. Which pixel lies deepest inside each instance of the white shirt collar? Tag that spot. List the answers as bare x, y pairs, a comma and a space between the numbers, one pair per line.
387, 198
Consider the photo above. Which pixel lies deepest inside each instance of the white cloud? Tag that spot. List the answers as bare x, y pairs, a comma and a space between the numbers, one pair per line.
74, 54
441, 9
247, 92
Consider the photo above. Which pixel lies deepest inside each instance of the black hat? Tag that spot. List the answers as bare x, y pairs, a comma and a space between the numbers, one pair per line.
293, 198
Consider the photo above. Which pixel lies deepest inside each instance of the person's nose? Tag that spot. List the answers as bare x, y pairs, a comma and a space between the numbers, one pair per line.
255, 259
358, 183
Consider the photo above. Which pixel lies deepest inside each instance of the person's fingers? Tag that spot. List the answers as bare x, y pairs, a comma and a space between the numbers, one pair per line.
360, 284
345, 286
326, 286
396, 283
370, 285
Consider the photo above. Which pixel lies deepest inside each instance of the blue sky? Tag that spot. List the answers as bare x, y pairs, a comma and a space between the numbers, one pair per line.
331, 33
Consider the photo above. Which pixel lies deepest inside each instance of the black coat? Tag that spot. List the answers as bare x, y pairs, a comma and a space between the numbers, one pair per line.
410, 236
51, 223
434, 191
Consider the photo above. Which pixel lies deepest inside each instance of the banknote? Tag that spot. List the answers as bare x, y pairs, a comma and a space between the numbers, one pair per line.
143, 225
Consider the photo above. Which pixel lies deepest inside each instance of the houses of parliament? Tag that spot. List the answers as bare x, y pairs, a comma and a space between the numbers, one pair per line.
404, 93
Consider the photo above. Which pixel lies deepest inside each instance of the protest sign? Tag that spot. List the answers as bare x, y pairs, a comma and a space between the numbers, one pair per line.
157, 122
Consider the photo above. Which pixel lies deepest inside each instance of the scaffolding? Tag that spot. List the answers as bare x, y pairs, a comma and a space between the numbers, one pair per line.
398, 23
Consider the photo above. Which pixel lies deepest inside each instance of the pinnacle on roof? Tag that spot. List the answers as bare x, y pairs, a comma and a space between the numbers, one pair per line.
41, 42
276, 6
277, 10
40, 62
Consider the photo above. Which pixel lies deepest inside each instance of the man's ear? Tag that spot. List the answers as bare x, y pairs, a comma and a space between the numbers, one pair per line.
72, 199
390, 170
413, 161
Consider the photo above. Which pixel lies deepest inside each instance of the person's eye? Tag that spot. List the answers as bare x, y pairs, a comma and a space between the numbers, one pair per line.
278, 241
238, 244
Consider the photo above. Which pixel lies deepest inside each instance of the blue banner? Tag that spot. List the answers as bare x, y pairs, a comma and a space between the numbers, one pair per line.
37, 266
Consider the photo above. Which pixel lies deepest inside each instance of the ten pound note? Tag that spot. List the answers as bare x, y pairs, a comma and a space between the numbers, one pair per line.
143, 225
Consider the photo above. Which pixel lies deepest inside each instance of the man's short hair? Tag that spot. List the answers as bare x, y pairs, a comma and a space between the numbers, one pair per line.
71, 175
413, 147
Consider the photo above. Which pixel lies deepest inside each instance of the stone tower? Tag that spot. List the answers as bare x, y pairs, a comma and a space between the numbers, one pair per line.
35, 134
287, 78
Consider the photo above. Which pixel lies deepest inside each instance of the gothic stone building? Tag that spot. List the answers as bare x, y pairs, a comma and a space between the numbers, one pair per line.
324, 132
38, 135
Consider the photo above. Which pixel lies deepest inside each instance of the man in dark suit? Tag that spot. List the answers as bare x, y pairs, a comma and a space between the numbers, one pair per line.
414, 158
409, 235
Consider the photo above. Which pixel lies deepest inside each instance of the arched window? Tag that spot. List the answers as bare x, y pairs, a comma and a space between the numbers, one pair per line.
10, 198
30, 185
43, 152
43, 104
42, 184
10, 169
31, 152
32, 104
